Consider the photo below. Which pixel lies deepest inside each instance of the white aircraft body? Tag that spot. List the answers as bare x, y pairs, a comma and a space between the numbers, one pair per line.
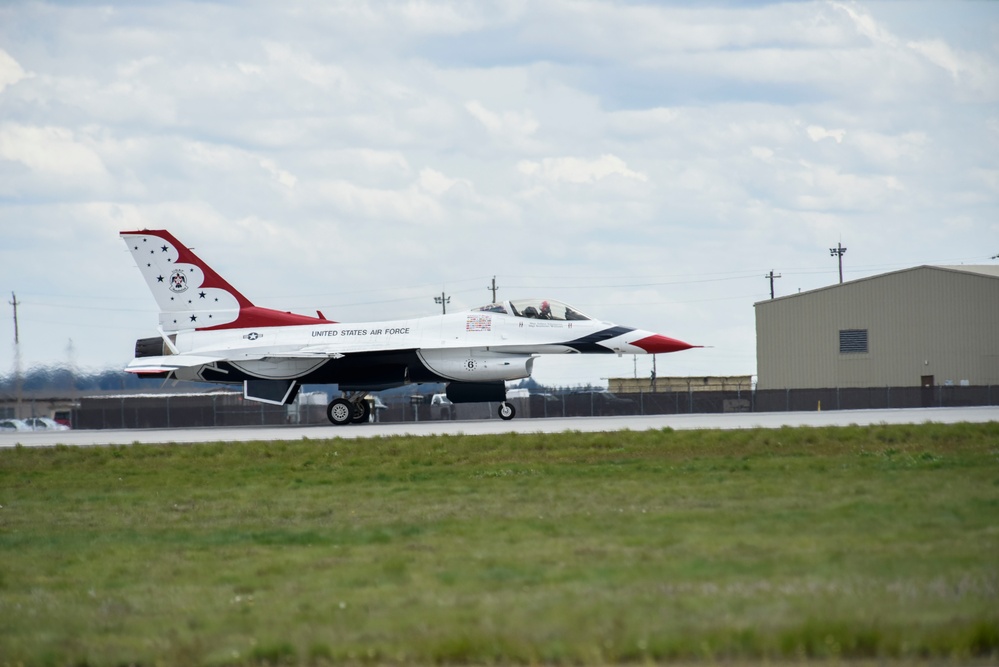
210, 332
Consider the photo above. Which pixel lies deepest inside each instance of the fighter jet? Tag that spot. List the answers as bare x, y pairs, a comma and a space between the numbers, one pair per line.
210, 332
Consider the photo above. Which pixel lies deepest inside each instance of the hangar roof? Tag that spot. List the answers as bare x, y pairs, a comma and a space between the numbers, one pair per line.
986, 270
983, 269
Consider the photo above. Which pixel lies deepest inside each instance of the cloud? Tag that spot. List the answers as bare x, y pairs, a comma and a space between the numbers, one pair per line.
816, 133
968, 71
508, 125
578, 170
50, 151
10, 71
361, 157
437, 183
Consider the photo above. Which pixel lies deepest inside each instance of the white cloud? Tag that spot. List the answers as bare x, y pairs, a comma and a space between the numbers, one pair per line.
518, 124
437, 183
283, 177
966, 70
50, 151
865, 24
579, 170
816, 133
10, 71
415, 144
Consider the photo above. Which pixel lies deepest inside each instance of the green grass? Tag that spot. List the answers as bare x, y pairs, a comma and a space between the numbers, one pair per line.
791, 544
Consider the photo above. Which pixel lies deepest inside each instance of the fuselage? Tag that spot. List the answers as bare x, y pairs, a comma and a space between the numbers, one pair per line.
486, 344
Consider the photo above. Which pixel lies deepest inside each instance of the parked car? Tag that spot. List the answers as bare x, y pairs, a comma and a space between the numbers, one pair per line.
13, 425
44, 424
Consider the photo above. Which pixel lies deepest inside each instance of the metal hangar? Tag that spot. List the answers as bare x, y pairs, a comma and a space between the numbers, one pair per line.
919, 327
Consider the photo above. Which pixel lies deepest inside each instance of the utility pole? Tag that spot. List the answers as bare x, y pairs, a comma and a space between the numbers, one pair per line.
443, 300
838, 251
771, 276
493, 288
15, 303
17, 357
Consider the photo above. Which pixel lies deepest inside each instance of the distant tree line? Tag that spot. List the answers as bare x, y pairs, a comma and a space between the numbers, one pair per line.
60, 378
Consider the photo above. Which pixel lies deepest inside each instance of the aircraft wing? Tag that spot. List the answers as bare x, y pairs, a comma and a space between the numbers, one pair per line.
308, 352
174, 362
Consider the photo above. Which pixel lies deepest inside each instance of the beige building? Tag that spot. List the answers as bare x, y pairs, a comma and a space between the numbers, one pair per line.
686, 384
925, 326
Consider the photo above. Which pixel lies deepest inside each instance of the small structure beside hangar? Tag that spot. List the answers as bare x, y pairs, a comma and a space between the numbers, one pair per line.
921, 328
681, 383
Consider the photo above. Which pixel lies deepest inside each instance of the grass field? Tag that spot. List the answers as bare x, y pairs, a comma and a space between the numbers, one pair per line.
792, 544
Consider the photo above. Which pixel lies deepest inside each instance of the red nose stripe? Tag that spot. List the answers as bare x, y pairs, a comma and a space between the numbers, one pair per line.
657, 344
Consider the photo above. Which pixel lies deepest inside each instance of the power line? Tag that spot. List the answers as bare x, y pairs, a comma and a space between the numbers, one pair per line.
493, 288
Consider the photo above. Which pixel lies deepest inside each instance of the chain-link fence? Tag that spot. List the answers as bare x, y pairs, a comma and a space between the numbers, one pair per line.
231, 409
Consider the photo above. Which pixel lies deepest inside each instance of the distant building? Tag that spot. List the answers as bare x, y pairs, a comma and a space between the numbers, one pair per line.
686, 384
921, 327
55, 404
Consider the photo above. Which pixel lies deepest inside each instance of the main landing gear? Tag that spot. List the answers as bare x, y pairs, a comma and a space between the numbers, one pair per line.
353, 410
357, 410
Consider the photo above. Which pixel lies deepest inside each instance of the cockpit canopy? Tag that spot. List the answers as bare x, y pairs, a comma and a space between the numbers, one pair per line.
538, 309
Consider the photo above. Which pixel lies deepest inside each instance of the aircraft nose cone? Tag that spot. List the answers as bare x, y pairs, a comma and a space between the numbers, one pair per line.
656, 344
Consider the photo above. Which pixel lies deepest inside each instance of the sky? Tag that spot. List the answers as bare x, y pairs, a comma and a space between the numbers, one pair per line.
648, 163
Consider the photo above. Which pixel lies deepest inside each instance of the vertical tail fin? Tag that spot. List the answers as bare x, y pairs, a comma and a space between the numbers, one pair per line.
190, 294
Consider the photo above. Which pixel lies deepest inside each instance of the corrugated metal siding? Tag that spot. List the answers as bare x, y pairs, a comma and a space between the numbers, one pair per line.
921, 321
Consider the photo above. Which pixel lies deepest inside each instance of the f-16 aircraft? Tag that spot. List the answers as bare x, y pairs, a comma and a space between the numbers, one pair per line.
210, 332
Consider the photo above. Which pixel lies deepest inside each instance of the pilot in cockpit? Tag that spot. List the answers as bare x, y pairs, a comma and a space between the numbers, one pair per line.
546, 311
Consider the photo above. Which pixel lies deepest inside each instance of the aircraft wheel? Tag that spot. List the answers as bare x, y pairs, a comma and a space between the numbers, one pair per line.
362, 411
506, 411
340, 411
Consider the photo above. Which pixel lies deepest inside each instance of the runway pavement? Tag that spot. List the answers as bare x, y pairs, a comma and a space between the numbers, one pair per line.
555, 425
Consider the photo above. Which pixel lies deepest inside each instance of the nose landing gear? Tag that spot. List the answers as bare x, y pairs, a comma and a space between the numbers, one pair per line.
506, 411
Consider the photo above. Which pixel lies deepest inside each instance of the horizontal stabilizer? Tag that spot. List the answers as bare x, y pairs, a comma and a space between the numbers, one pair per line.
171, 362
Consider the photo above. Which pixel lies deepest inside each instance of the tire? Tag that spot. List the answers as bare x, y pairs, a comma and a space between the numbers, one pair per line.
340, 411
362, 412
507, 411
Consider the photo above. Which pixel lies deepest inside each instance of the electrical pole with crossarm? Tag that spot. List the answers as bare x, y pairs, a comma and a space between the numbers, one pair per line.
15, 303
17, 356
771, 276
443, 300
838, 251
